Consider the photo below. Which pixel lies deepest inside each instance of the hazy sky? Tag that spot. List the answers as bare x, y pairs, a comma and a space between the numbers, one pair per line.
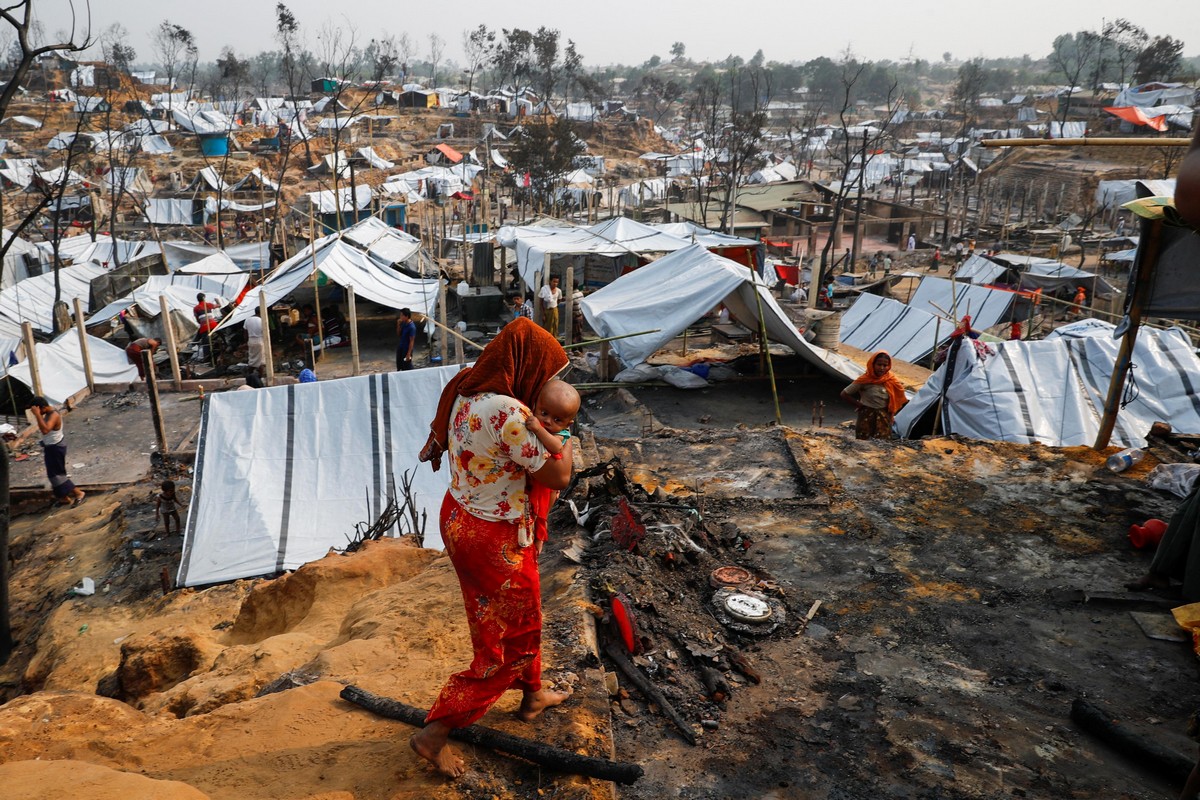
624, 31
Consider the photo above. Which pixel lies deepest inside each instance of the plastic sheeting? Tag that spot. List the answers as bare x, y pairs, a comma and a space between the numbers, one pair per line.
284, 473
162, 211
613, 237
386, 244
345, 265
60, 365
977, 269
1053, 391
249, 256
325, 202
32, 300
675, 291
940, 297
879, 323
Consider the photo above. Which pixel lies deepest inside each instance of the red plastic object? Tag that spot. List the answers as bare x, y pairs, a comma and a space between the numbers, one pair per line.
627, 530
624, 620
1148, 535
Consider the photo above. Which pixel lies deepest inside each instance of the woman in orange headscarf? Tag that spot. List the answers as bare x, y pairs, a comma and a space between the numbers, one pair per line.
486, 526
878, 395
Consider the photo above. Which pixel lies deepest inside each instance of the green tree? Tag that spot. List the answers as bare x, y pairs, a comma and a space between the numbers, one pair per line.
678, 52
545, 149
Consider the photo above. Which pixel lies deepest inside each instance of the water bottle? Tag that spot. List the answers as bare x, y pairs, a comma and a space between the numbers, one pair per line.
1119, 462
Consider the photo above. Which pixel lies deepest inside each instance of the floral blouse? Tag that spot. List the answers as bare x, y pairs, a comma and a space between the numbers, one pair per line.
490, 451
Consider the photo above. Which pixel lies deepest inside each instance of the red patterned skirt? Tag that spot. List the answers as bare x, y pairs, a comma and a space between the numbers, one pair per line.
502, 593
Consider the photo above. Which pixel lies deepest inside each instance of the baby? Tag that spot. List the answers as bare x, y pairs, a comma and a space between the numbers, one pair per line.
553, 414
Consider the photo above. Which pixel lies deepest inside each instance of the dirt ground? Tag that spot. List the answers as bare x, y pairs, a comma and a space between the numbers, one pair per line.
951, 638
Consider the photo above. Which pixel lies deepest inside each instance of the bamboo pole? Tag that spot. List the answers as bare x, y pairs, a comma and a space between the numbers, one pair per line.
164, 311
1147, 258
160, 430
35, 375
569, 308
766, 350
84, 352
1090, 142
355, 364
268, 357
312, 241
444, 345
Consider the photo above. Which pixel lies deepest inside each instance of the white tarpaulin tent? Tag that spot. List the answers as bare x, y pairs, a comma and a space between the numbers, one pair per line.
248, 256
1053, 391
386, 244
344, 264
881, 323
60, 365
32, 300
169, 210
284, 473
16, 268
219, 263
941, 297
613, 237
675, 291
977, 269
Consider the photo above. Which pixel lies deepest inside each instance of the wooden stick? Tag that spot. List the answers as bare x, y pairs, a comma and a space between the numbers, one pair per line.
160, 429
545, 755
83, 346
268, 357
164, 312
1140, 751
1089, 142
569, 308
355, 364
649, 690
444, 344
35, 375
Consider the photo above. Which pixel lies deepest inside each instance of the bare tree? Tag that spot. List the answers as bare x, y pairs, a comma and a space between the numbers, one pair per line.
479, 46
176, 48
1073, 56
437, 46
853, 153
407, 51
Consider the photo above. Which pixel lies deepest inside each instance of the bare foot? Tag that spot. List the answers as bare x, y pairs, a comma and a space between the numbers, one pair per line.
1150, 580
534, 704
436, 751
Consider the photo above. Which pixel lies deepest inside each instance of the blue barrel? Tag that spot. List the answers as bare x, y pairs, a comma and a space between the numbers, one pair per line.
214, 144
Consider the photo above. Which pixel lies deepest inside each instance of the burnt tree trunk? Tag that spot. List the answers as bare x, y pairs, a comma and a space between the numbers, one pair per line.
6, 642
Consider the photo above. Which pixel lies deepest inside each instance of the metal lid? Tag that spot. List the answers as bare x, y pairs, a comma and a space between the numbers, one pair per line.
747, 608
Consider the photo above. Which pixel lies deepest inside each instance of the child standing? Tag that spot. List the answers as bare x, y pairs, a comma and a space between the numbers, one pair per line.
167, 507
554, 410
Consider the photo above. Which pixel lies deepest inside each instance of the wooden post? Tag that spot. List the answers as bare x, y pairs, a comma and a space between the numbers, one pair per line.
604, 376
459, 357
160, 430
504, 270
35, 376
569, 308
169, 334
1147, 258
84, 353
312, 239
444, 348
355, 365
268, 357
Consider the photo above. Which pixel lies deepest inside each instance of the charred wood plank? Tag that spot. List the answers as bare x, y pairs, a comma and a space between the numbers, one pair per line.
554, 758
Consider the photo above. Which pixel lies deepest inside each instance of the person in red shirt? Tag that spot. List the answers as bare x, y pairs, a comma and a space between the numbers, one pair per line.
207, 314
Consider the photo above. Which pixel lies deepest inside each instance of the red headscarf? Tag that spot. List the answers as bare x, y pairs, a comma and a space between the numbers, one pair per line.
517, 363
896, 396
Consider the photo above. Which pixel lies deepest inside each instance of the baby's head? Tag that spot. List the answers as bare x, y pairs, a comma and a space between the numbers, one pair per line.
556, 405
